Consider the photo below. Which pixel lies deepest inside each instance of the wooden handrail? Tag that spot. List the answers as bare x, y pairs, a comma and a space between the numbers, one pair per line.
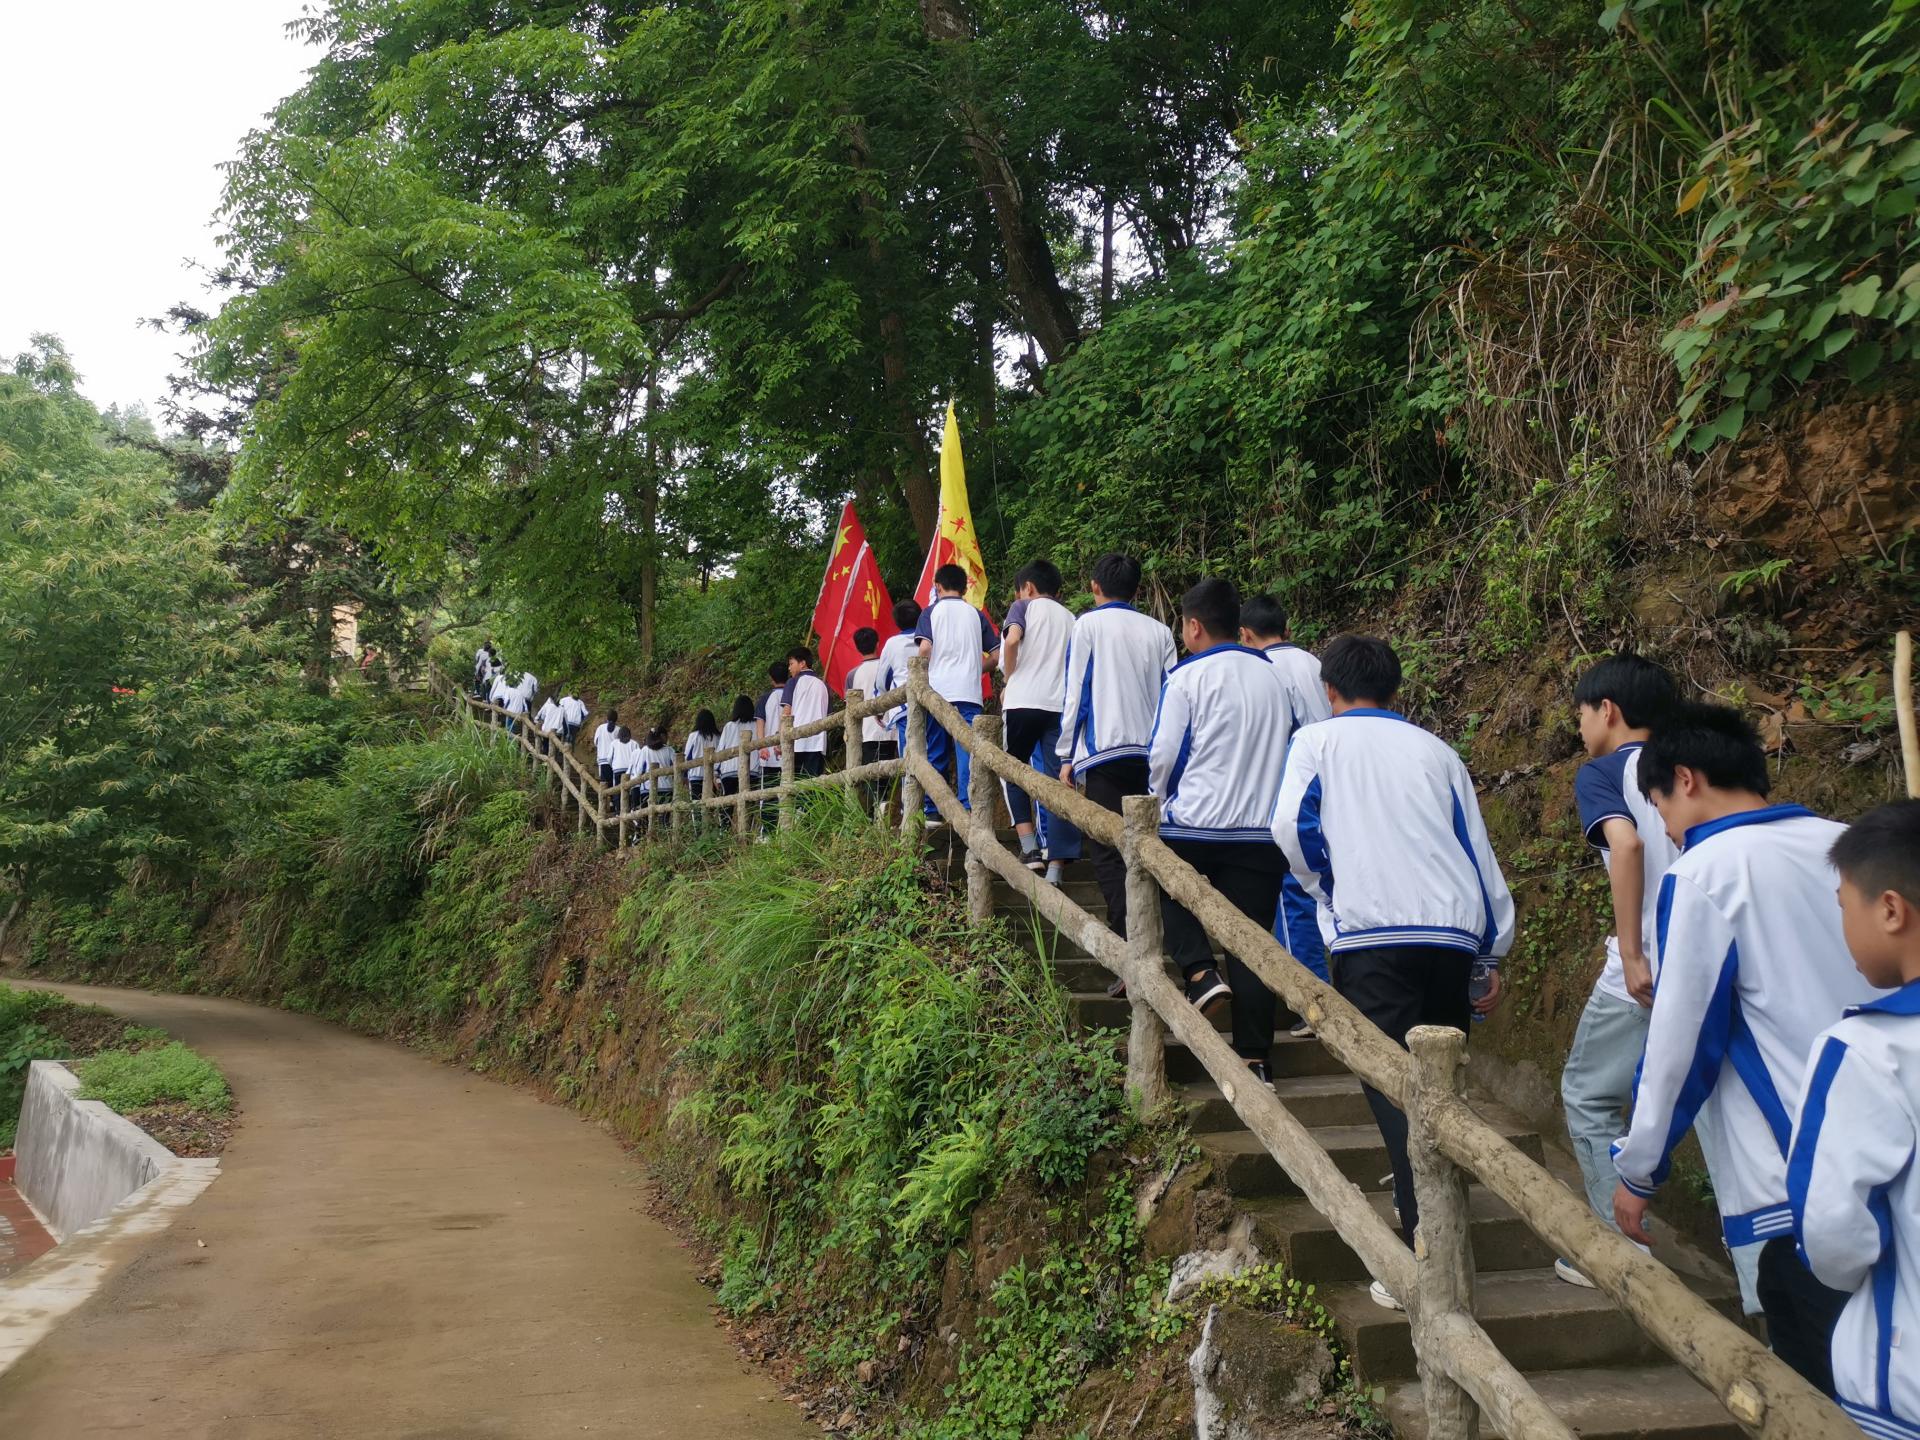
1457, 1357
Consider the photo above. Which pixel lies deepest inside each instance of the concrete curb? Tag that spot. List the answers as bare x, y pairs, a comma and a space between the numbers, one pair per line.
77, 1159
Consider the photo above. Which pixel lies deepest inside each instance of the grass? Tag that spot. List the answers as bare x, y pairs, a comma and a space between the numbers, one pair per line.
128, 1080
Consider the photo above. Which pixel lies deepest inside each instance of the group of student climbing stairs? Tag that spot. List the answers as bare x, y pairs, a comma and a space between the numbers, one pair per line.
1587, 1359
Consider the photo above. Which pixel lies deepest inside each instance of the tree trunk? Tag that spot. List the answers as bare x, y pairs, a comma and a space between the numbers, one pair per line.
916, 467
1031, 273
649, 526
1106, 259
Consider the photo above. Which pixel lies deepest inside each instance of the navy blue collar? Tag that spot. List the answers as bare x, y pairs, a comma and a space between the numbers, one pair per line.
1373, 711
1279, 645
1113, 605
1904, 1001
1763, 816
1225, 647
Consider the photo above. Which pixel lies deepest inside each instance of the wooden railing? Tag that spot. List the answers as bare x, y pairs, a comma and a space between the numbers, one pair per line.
1462, 1372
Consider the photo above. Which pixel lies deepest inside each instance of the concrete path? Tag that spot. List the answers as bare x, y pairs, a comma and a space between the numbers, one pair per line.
394, 1248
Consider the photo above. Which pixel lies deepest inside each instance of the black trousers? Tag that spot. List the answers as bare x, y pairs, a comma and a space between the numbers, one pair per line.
1248, 873
1398, 987
606, 773
810, 762
1800, 1311
872, 751
1107, 785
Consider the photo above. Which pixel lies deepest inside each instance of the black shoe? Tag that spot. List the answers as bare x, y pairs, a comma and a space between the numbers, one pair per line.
1259, 1070
1206, 990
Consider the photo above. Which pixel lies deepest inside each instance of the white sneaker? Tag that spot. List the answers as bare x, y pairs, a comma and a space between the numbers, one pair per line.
1572, 1276
1301, 1031
1383, 1297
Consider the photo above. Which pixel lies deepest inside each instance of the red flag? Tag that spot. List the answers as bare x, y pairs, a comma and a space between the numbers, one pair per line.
866, 603
848, 537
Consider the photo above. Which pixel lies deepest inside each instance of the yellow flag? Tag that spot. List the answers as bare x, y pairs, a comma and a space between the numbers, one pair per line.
954, 540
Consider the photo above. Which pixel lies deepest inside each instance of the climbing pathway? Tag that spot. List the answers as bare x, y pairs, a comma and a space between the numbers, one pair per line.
398, 1248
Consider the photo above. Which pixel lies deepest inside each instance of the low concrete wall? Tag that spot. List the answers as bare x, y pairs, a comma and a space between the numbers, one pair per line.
76, 1158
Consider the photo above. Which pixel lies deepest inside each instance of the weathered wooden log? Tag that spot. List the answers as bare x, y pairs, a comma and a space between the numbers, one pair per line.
1443, 1245
979, 827
1146, 950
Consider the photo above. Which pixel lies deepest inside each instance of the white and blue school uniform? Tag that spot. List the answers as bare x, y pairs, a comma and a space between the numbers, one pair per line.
959, 637
626, 763
1752, 967
1380, 824
808, 697
1117, 658
695, 750
547, 718
733, 734
865, 677
658, 761
573, 714
1224, 788
1299, 923
1854, 1189
606, 740
894, 655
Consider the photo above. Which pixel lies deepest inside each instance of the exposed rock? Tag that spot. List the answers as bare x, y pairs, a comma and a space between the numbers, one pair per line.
1254, 1377
1237, 1253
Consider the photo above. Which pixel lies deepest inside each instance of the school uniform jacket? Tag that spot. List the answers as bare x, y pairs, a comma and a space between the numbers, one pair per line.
1219, 739
548, 717
1854, 1187
606, 740
661, 759
894, 655
1299, 672
810, 700
1380, 824
1752, 968
731, 735
865, 677
1116, 660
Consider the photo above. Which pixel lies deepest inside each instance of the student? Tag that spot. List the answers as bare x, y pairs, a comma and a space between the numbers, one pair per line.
771, 762
958, 642
573, 714
1299, 923
805, 699
1219, 739
1615, 704
516, 700
1033, 657
497, 686
703, 739
738, 729
1116, 660
894, 655
1380, 823
604, 741
547, 719
529, 684
483, 668
875, 743
1752, 966
657, 760
1852, 1179
624, 764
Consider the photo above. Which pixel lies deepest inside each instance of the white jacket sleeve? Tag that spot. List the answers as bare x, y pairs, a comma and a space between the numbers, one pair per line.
1296, 822
1850, 1140
1169, 738
1497, 939
1687, 1033
1169, 653
1073, 704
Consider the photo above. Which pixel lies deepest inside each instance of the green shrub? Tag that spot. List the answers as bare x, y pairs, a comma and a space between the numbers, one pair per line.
128, 1080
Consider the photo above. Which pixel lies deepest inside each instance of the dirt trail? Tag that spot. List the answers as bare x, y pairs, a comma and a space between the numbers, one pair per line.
395, 1248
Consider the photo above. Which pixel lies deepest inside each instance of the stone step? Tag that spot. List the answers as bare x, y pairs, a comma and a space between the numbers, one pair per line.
1290, 1230
1536, 1319
1245, 1167
1289, 1057
1627, 1402
1081, 888
1079, 973
1097, 1010
1313, 1100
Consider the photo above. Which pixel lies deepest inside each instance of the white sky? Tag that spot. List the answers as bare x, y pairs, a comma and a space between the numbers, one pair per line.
113, 115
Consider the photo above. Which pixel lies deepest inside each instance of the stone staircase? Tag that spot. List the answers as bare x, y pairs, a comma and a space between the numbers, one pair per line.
1587, 1359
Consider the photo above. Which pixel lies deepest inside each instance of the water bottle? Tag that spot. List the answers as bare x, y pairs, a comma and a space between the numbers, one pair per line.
1479, 982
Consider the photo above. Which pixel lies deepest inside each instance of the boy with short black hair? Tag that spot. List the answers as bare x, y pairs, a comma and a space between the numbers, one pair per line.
1219, 738
1752, 966
1264, 627
876, 742
1852, 1179
1033, 657
804, 699
1381, 824
900, 647
604, 739
1117, 658
1616, 703
958, 642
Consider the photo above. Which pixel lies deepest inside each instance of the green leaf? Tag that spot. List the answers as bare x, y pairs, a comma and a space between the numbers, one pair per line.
1864, 360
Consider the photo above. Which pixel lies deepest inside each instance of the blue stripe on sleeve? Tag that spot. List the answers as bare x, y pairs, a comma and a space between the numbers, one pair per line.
1813, 1115
1882, 1282
1744, 1051
1313, 841
1709, 1050
1486, 900
1179, 765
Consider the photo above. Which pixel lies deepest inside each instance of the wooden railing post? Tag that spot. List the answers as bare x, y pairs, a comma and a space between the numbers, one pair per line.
789, 806
709, 785
980, 798
1443, 1243
742, 783
1146, 951
912, 796
850, 729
